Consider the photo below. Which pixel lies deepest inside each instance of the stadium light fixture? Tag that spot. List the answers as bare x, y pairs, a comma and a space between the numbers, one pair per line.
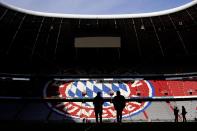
21, 79
142, 27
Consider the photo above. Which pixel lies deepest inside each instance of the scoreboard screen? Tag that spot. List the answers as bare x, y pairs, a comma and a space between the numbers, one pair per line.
97, 42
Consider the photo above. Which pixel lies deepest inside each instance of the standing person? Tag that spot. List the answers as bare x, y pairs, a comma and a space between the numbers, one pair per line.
119, 104
176, 114
184, 112
98, 106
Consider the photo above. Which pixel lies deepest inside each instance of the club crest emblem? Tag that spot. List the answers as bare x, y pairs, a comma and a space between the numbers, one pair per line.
89, 89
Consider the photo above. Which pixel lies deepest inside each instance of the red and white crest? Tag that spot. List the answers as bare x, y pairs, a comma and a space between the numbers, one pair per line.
88, 89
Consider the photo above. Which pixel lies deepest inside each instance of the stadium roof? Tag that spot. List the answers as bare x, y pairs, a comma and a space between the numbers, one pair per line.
40, 43
98, 16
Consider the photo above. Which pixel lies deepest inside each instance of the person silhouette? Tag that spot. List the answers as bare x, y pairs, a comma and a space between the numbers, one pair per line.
98, 106
184, 112
176, 114
119, 104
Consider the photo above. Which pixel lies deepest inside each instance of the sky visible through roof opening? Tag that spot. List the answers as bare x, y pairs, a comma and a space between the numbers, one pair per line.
100, 7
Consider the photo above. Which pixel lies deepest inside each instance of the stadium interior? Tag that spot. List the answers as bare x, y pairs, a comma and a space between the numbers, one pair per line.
154, 60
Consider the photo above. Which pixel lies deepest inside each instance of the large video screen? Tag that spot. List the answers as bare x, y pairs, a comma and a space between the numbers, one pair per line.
97, 42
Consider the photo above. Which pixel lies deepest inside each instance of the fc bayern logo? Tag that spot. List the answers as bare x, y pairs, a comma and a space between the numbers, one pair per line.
89, 89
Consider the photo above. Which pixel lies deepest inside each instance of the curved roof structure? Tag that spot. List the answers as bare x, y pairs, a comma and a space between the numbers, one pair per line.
45, 42
112, 16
